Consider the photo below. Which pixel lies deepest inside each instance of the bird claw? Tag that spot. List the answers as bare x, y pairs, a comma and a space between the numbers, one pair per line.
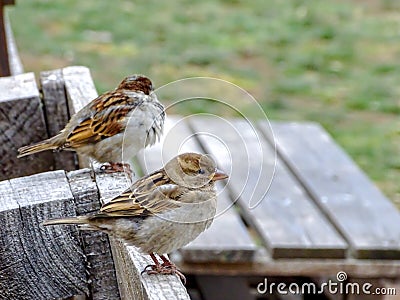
165, 269
147, 270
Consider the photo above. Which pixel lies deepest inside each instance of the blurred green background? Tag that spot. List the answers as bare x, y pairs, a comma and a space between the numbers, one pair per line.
334, 62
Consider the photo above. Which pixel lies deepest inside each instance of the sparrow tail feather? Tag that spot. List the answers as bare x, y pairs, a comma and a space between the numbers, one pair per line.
38, 147
65, 221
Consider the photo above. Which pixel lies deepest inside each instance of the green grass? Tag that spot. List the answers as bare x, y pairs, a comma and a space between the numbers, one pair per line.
334, 62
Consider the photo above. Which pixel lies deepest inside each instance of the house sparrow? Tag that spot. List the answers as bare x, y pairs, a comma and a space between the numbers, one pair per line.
162, 211
118, 122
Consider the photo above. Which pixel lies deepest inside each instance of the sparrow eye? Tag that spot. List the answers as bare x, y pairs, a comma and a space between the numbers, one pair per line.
201, 171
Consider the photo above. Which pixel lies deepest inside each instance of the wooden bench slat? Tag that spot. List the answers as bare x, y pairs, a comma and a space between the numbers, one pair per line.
13, 56
158, 287
286, 219
79, 87
227, 238
56, 110
96, 245
40, 267
11, 258
21, 123
366, 218
269, 267
80, 90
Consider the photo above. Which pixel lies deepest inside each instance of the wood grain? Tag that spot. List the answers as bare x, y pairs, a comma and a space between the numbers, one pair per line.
227, 240
21, 123
96, 246
287, 221
38, 262
79, 87
57, 115
363, 215
80, 90
129, 265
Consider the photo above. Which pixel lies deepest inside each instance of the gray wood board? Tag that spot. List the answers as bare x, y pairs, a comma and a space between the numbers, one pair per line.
79, 87
354, 268
227, 239
129, 263
13, 56
21, 123
56, 113
364, 216
285, 218
80, 90
96, 246
38, 262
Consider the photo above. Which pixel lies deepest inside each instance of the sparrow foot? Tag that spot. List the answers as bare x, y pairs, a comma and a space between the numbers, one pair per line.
169, 264
166, 268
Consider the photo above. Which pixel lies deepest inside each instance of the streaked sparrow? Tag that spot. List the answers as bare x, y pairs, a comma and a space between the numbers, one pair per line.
130, 117
162, 211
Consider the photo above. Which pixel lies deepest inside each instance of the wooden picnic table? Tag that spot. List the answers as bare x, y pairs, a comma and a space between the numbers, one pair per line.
296, 206
320, 215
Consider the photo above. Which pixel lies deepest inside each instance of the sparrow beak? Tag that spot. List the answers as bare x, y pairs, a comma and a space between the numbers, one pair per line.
219, 175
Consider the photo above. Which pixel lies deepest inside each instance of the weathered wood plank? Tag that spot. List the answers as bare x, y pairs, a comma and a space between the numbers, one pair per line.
80, 91
129, 265
13, 56
55, 100
265, 265
79, 87
56, 113
96, 246
366, 218
34, 264
4, 63
21, 123
288, 222
129, 262
11, 259
227, 239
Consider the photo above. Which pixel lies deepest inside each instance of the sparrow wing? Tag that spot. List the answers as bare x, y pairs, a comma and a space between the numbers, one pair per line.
150, 195
107, 118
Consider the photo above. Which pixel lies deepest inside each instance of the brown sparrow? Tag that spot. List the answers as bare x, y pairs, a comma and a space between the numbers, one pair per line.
162, 211
113, 127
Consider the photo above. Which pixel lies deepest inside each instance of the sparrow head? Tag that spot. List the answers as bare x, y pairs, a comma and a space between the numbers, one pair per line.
137, 83
193, 170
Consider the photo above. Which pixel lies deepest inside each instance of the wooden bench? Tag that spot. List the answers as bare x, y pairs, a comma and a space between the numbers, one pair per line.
296, 208
320, 215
